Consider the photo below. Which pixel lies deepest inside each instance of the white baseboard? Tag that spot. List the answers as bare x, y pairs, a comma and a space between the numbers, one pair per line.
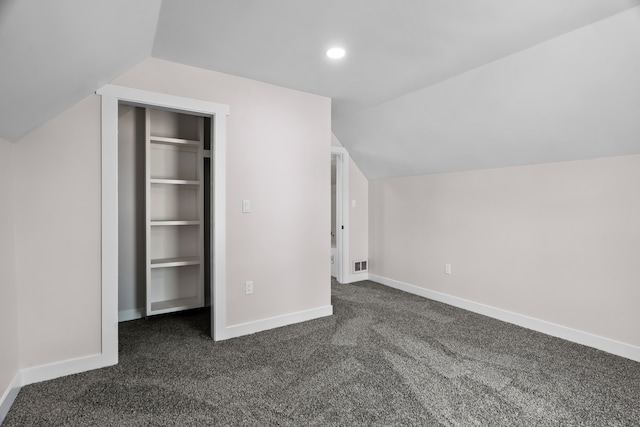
9, 396
50, 371
618, 348
357, 277
353, 277
131, 314
276, 322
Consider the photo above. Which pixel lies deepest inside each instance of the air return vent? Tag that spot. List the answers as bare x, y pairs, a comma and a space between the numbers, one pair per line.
360, 266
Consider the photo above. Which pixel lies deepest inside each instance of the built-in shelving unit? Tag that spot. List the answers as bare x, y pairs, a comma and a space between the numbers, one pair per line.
174, 212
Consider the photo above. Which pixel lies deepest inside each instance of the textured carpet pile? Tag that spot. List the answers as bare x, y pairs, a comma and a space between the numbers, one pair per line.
384, 358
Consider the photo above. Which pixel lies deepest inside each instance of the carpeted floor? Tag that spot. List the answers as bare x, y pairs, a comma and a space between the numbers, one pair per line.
384, 358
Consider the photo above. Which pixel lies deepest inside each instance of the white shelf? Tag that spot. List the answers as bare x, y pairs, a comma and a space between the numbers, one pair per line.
174, 212
175, 222
170, 306
174, 181
174, 262
174, 141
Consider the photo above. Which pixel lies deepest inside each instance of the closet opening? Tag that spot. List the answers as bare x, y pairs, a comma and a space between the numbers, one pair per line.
336, 221
164, 206
112, 96
340, 215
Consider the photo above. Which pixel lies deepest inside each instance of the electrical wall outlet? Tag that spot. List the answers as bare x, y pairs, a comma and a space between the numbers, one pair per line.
447, 269
248, 287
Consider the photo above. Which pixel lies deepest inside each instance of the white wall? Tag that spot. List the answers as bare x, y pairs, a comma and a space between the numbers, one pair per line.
278, 148
57, 183
9, 355
557, 242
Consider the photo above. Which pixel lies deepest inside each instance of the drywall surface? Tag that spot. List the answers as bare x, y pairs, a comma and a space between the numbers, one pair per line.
131, 210
278, 151
558, 242
9, 361
57, 217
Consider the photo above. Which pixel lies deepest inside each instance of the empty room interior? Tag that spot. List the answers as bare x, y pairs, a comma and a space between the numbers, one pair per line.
261, 212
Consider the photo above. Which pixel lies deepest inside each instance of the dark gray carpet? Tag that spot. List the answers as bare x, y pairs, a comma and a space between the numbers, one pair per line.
384, 358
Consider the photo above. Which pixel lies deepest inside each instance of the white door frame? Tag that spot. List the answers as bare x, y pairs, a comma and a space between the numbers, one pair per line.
342, 212
111, 96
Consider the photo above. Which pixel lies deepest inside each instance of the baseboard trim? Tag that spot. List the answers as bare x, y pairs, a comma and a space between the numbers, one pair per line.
49, 371
277, 322
131, 314
618, 348
54, 370
357, 277
9, 396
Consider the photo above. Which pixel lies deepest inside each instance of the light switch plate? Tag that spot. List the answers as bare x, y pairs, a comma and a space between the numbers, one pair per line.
246, 206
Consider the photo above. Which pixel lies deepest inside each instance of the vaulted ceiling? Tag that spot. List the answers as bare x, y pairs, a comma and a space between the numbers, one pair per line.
427, 85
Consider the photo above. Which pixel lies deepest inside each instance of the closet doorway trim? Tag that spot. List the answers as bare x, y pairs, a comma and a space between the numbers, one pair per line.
111, 96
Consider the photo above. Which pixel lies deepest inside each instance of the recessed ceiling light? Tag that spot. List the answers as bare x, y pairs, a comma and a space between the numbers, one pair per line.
336, 53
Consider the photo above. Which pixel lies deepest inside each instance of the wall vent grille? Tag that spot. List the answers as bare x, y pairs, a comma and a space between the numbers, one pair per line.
360, 266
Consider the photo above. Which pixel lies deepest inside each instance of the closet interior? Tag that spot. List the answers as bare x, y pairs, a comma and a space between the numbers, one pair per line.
164, 198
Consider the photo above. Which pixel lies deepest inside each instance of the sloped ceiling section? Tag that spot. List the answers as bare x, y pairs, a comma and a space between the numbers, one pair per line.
54, 53
427, 85
434, 85
573, 97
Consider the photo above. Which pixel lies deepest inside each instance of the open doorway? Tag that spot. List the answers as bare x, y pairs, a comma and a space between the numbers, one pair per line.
335, 259
339, 214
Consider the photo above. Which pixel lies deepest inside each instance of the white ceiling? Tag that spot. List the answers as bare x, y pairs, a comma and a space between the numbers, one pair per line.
427, 85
